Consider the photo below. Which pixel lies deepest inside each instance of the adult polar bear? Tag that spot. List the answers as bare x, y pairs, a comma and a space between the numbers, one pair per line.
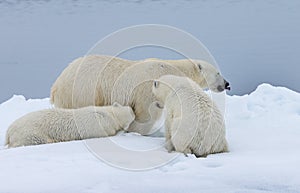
101, 80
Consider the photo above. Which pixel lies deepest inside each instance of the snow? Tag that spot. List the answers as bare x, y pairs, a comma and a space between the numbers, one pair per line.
262, 130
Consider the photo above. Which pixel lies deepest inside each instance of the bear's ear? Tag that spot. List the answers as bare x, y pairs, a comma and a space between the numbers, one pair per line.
115, 104
155, 83
199, 66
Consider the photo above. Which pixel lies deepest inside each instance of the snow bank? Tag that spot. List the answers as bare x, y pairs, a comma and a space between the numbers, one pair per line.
262, 130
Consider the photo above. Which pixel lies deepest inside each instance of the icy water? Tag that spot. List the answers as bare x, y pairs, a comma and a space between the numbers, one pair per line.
252, 41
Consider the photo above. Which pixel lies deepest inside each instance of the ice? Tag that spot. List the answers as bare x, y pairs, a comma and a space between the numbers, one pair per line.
262, 130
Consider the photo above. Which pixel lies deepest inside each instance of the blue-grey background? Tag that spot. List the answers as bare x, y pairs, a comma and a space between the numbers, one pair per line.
253, 41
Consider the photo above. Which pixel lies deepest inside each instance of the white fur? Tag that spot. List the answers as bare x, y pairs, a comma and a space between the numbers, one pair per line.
193, 122
57, 125
101, 80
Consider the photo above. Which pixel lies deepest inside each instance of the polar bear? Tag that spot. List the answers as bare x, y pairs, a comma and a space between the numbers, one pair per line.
193, 122
58, 125
101, 80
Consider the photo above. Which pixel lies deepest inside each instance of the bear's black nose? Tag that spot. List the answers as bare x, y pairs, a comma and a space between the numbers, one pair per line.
227, 86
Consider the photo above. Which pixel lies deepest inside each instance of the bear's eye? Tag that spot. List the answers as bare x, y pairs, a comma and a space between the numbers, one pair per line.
155, 83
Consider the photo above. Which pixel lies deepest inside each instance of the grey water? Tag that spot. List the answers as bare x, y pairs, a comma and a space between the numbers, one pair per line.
253, 42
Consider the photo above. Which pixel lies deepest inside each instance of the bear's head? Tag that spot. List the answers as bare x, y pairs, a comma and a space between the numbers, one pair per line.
124, 114
212, 79
162, 87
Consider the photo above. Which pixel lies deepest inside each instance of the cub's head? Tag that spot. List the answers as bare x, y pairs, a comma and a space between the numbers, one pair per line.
160, 90
124, 114
212, 79
167, 85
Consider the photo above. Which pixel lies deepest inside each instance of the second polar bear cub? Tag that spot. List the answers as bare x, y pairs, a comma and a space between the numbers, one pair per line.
193, 122
58, 125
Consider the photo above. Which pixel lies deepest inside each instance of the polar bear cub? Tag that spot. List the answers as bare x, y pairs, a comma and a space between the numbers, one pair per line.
193, 122
58, 125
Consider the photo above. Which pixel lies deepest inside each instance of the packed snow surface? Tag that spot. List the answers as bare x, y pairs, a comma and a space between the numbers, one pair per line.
262, 130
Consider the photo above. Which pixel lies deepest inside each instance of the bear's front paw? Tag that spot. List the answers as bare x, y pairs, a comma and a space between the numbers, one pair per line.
169, 146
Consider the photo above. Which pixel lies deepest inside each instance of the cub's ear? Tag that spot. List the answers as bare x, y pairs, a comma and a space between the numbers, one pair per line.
199, 66
155, 83
115, 104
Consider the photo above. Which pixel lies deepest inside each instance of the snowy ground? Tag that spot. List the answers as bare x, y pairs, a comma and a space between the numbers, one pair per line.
262, 129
